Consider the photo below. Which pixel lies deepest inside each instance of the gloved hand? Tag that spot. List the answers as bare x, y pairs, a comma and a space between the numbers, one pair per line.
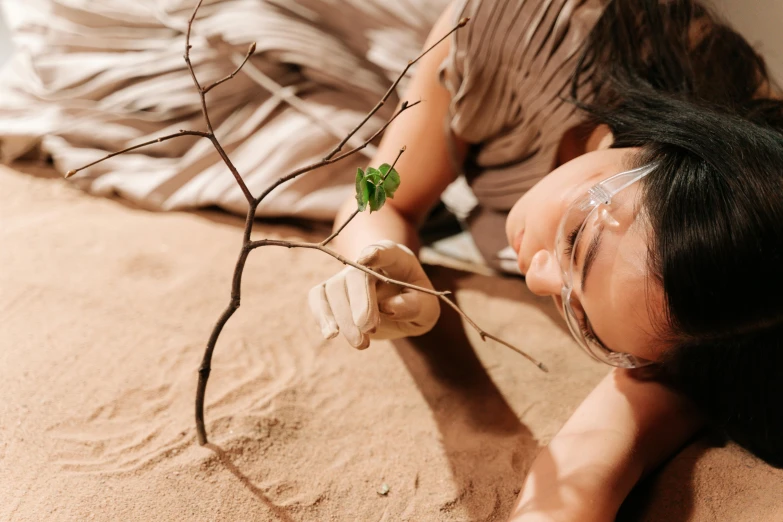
362, 307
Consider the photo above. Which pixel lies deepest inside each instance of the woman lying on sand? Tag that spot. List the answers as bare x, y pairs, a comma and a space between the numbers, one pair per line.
647, 204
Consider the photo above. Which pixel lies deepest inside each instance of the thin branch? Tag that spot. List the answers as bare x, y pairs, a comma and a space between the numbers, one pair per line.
344, 260
206, 362
334, 234
192, 73
391, 89
250, 52
394, 163
140, 145
233, 169
307, 168
203, 96
405, 106
484, 335
356, 212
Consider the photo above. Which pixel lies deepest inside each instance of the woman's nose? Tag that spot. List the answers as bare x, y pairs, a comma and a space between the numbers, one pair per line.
543, 276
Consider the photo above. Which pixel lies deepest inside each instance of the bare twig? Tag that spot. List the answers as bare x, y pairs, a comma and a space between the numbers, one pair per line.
326, 250
394, 163
442, 295
203, 96
307, 168
192, 73
248, 245
140, 145
393, 86
250, 52
484, 335
334, 234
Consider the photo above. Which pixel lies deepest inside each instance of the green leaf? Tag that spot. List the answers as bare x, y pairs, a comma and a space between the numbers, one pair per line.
374, 176
392, 181
362, 190
375, 185
359, 178
377, 198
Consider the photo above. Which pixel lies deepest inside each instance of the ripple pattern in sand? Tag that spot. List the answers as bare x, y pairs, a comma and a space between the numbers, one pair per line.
153, 419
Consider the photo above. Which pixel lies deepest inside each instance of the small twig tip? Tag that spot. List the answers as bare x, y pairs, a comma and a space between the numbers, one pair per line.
463, 22
252, 49
70, 173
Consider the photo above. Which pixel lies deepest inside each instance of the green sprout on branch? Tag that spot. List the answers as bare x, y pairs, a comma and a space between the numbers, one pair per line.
375, 185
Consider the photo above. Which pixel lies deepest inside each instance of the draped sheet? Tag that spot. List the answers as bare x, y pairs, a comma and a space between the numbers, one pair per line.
91, 77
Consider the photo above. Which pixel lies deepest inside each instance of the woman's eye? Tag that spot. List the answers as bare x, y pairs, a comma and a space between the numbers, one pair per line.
570, 241
588, 334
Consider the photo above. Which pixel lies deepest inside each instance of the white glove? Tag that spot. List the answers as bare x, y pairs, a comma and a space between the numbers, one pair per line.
362, 307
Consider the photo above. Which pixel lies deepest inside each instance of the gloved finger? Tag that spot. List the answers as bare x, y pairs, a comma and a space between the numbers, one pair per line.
393, 260
319, 307
383, 254
362, 298
384, 291
402, 307
337, 296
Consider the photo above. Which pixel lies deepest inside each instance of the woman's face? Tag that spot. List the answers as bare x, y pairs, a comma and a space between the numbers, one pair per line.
619, 300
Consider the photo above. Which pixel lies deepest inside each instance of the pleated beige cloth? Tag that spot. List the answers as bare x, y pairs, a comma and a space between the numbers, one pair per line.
93, 77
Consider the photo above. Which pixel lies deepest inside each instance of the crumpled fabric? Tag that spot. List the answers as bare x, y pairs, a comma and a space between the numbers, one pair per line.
89, 78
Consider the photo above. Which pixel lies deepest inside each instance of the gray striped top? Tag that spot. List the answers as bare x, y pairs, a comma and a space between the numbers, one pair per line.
507, 71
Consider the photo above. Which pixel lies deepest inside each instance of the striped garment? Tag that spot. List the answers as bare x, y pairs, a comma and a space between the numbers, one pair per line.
507, 72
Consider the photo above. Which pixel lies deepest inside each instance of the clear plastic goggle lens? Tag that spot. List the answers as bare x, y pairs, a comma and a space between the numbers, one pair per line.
575, 220
598, 352
576, 216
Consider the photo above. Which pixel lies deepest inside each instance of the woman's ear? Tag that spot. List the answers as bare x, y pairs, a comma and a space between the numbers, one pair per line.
600, 139
607, 141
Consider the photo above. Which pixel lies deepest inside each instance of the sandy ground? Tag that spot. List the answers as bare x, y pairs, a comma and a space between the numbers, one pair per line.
105, 310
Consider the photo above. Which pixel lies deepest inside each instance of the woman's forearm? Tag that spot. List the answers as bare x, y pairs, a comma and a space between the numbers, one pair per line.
625, 428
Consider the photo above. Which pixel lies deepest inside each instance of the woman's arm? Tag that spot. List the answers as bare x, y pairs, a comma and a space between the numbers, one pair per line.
625, 428
425, 168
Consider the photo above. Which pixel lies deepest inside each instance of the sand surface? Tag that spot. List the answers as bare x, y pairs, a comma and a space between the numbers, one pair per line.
105, 310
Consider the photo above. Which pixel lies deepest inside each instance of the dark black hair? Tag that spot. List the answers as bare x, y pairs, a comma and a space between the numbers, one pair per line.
668, 77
